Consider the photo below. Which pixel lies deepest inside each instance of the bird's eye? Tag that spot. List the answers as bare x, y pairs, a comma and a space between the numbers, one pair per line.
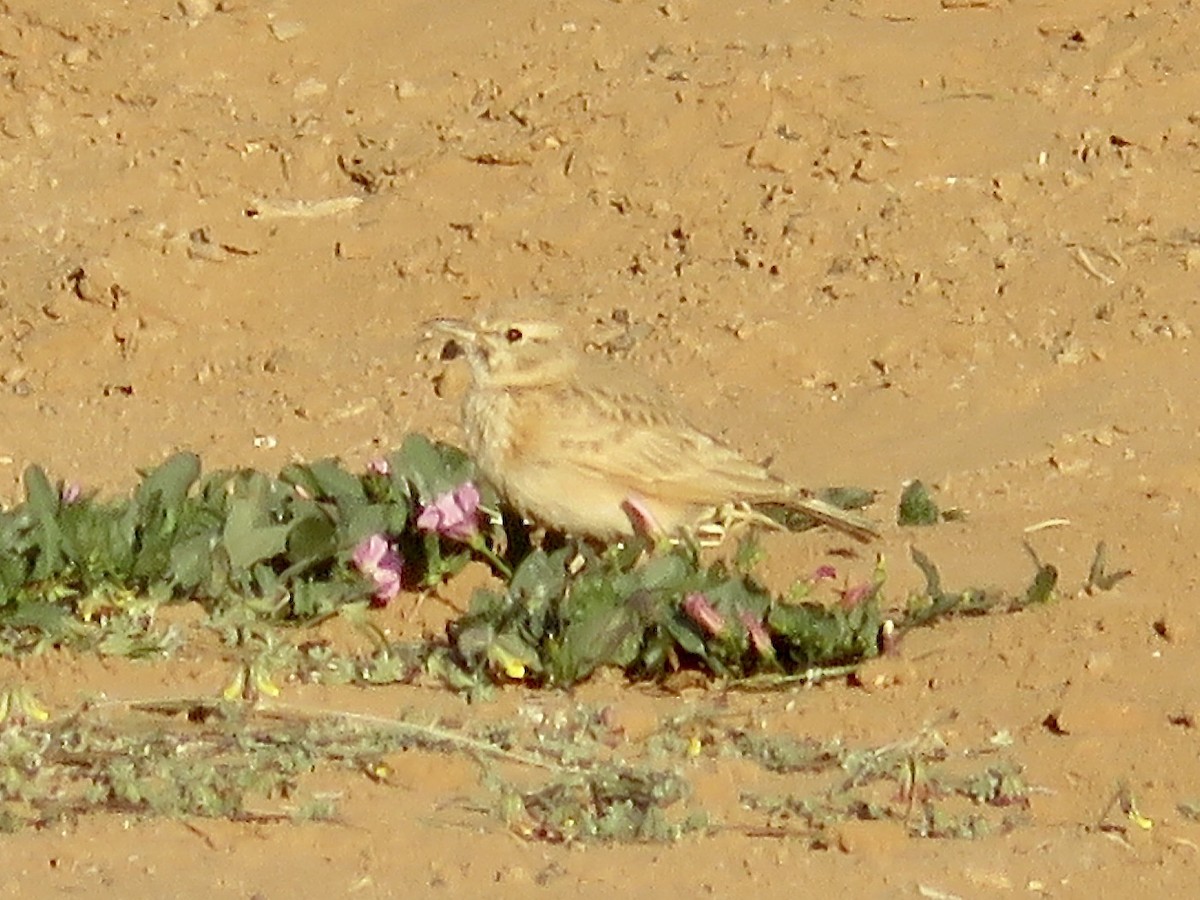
513, 335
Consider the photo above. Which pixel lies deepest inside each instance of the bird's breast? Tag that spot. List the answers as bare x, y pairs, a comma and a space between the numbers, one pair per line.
488, 427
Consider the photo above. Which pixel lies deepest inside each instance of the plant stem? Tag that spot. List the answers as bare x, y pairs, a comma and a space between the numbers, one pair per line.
480, 546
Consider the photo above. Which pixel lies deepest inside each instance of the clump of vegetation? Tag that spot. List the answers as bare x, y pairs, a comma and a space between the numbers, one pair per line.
266, 555
283, 545
317, 540
917, 784
581, 780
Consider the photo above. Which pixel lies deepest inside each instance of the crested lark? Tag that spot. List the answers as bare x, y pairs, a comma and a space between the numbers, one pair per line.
588, 449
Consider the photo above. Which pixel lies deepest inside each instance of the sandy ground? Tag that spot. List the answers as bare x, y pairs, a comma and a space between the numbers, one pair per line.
872, 241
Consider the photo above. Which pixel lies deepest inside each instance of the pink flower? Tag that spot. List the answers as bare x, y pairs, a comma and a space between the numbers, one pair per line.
70, 493
760, 640
701, 611
823, 573
852, 596
379, 466
454, 514
641, 517
378, 560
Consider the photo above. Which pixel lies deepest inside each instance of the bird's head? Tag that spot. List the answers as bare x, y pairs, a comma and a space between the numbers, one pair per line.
508, 353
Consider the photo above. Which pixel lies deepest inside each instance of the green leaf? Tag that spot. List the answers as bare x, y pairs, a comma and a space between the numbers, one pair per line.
170, 482
1099, 578
668, 572
248, 536
301, 476
431, 468
51, 619
601, 629
733, 596
158, 507
361, 522
42, 504
154, 537
686, 635
39, 494
1041, 590
471, 636
338, 485
395, 516
191, 563
13, 574
540, 578
933, 578
445, 664
100, 538
312, 599
265, 582
811, 635
750, 553
487, 604
311, 540
917, 506
441, 565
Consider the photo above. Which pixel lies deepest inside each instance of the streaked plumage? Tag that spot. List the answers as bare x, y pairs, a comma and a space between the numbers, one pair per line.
571, 442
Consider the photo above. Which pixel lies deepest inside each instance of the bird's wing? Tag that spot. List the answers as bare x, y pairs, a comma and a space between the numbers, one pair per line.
645, 445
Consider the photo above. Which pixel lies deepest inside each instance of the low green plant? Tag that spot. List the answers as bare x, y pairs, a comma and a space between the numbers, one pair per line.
318, 540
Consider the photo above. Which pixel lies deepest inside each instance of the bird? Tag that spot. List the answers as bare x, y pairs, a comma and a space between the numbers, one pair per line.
597, 450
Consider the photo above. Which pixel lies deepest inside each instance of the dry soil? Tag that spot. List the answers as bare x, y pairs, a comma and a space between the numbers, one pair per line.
870, 240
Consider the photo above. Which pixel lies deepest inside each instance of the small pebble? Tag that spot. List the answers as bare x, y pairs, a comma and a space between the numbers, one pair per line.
309, 88
284, 30
195, 10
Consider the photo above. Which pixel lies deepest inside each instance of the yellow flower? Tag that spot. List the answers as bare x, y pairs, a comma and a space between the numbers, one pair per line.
508, 662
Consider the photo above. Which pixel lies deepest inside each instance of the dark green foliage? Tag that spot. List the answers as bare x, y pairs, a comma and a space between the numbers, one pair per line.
917, 506
283, 547
556, 628
242, 534
935, 602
